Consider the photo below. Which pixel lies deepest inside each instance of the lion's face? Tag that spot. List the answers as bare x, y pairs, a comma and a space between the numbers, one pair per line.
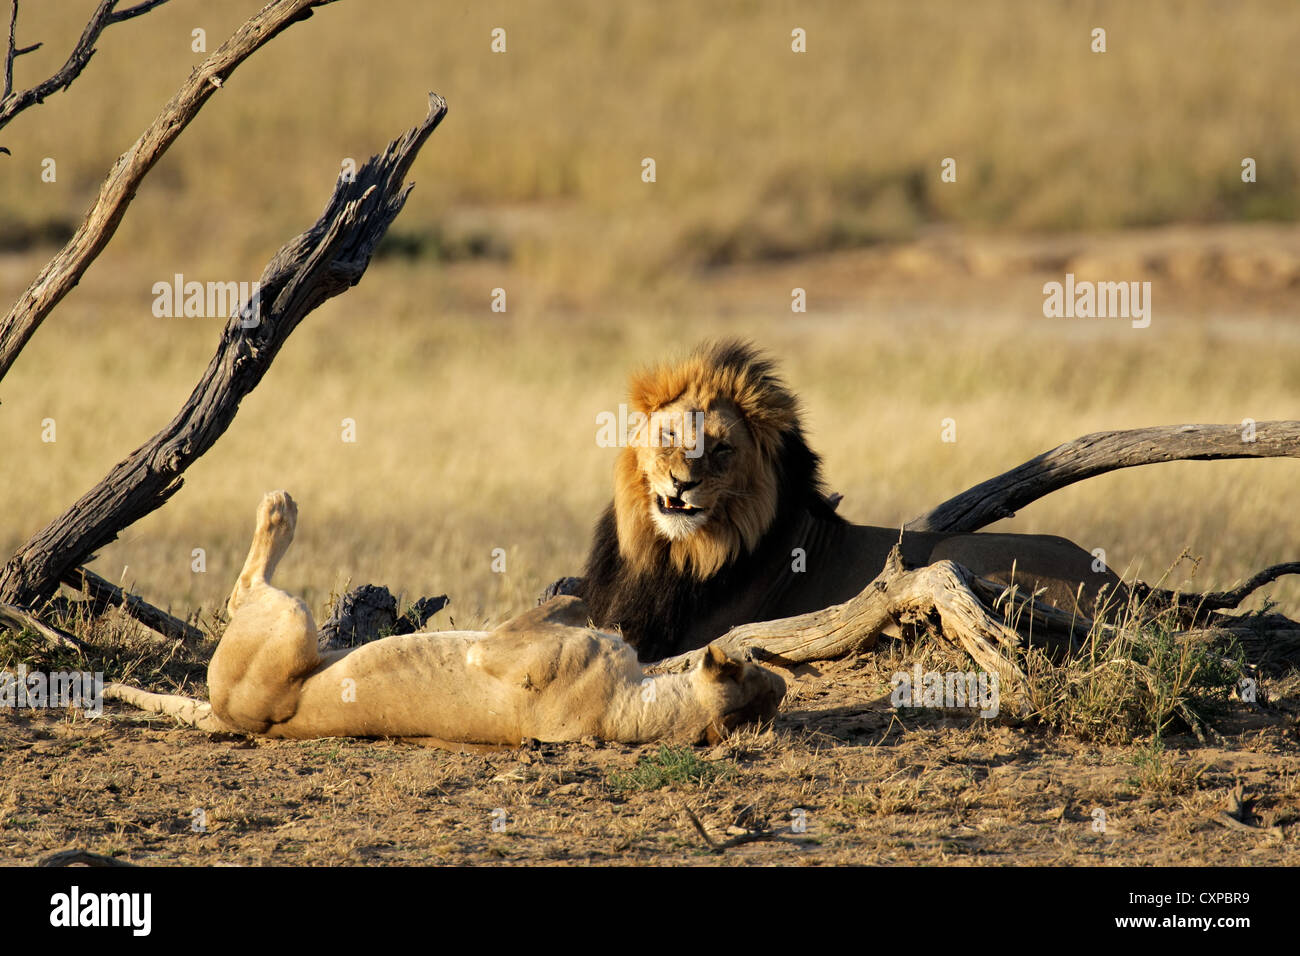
701, 473
695, 462
698, 481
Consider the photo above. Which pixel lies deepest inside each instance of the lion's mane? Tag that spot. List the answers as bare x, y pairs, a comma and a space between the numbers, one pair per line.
652, 588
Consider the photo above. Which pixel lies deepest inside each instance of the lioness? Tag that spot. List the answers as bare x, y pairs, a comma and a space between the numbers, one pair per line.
543, 675
732, 525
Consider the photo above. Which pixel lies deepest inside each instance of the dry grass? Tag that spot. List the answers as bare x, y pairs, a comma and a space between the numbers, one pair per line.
761, 152
1137, 678
476, 429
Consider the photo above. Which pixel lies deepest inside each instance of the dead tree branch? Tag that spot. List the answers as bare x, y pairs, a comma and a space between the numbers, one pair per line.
325, 260
968, 612
943, 592
1194, 609
11, 51
1098, 453
17, 619
106, 14
79, 857
67, 267
105, 594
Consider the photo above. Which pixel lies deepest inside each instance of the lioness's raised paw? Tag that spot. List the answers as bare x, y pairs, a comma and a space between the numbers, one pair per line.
277, 514
277, 517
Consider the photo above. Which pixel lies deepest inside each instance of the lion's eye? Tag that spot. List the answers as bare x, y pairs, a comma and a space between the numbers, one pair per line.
722, 449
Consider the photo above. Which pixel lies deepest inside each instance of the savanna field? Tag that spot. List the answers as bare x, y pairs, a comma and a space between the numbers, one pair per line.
476, 429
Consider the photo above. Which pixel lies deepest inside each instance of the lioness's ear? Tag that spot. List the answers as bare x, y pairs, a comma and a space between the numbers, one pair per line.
718, 665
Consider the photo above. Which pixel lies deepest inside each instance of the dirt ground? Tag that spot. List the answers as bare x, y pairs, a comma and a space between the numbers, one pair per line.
841, 778
876, 786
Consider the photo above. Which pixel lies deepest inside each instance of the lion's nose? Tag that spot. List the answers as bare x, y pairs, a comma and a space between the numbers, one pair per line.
680, 486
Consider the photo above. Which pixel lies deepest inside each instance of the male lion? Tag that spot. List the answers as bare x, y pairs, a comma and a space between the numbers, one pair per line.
732, 525
544, 675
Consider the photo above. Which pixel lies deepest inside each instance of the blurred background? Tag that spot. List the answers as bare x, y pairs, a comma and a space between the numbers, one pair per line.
775, 170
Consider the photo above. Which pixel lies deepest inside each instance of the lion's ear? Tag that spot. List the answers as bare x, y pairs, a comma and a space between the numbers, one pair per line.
718, 665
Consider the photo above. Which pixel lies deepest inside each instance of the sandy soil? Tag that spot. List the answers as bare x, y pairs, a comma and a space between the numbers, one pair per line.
877, 786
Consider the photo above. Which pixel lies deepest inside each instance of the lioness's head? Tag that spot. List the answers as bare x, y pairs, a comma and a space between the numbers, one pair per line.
702, 473
735, 693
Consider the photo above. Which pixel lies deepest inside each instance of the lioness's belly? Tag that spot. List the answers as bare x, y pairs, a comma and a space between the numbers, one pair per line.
417, 685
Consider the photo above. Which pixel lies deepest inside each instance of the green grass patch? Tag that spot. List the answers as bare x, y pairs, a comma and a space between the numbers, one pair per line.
670, 766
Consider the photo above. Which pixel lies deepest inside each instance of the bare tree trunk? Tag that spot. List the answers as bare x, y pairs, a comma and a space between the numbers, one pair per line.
67, 267
325, 260
1099, 453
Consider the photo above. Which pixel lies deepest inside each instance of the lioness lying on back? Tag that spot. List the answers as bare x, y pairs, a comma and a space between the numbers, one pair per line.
543, 675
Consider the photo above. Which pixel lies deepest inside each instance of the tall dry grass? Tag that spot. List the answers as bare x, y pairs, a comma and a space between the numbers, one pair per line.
761, 152
476, 430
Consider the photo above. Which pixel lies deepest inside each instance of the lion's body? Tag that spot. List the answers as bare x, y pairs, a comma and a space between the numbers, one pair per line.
543, 675
695, 544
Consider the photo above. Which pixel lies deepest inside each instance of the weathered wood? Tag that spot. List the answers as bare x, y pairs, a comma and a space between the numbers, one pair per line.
104, 594
1201, 607
1097, 454
67, 267
77, 857
19, 618
106, 14
369, 612
941, 591
325, 260
963, 607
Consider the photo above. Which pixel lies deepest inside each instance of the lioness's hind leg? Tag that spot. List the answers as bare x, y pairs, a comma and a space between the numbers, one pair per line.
277, 517
256, 673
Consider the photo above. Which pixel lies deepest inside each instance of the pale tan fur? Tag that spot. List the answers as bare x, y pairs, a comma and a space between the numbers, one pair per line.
543, 675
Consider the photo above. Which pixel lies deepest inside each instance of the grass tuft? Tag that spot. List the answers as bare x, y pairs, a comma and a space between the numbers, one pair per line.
679, 766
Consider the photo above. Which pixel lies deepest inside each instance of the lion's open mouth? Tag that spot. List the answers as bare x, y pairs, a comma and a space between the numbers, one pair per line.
675, 506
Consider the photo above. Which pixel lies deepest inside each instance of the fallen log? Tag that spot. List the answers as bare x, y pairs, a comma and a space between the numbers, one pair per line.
1099, 453
104, 594
993, 624
942, 593
18, 618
